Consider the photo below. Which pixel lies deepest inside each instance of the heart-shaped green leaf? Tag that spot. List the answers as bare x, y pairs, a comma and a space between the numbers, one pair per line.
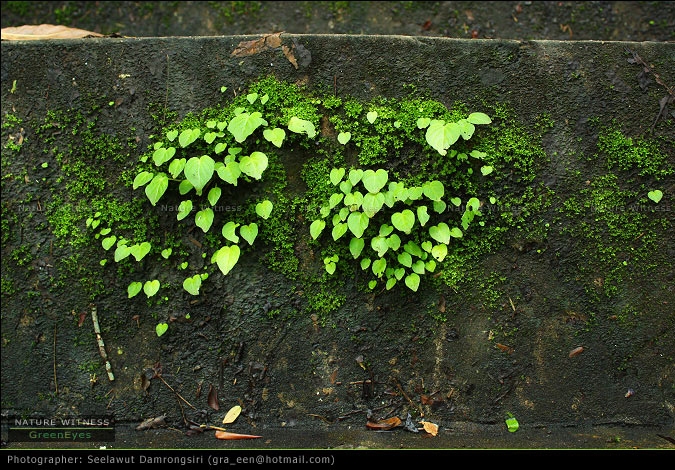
439, 252
143, 178
336, 175
157, 187
214, 195
188, 136
655, 195
192, 284
335, 199
439, 206
354, 200
418, 266
330, 266
422, 215
300, 126
346, 187
163, 155
343, 137
161, 328
415, 193
276, 136
403, 221
356, 246
204, 219
440, 233
121, 252
394, 242
441, 135
219, 148
486, 170
171, 135
379, 265
254, 165
184, 187
434, 190
228, 231
339, 230
184, 208
455, 232
249, 232
391, 282
151, 287
423, 123
385, 230
244, 124
264, 208
399, 273
229, 172
134, 288
108, 242
140, 250
226, 257
316, 228
166, 253
372, 203
412, 280
357, 223
405, 259
373, 181
198, 171
379, 244
355, 176
479, 118
430, 265
365, 263
209, 137
413, 248
176, 167
426, 246
371, 116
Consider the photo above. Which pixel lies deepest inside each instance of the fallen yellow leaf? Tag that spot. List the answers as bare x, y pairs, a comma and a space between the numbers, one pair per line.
232, 414
431, 428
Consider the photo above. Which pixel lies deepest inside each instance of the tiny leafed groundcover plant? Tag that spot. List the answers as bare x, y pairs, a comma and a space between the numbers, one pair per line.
394, 231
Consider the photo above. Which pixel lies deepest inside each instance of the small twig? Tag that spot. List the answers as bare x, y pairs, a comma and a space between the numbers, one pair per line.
177, 394
398, 384
101, 345
56, 383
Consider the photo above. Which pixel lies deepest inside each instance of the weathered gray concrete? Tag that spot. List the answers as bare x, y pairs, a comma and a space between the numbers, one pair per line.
559, 403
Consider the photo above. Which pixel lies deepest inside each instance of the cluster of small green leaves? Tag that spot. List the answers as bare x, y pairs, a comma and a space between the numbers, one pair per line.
391, 227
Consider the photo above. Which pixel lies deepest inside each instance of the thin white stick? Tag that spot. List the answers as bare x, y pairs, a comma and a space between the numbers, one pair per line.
101, 346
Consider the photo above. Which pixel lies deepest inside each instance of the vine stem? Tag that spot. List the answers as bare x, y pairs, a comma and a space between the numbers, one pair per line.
101, 345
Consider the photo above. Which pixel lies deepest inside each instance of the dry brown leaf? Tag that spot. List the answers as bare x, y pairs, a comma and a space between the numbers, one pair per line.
232, 414
576, 351
256, 46
44, 31
230, 436
506, 349
431, 428
152, 423
288, 52
212, 399
385, 424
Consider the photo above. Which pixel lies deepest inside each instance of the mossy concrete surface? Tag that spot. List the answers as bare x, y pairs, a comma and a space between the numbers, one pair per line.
568, 326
